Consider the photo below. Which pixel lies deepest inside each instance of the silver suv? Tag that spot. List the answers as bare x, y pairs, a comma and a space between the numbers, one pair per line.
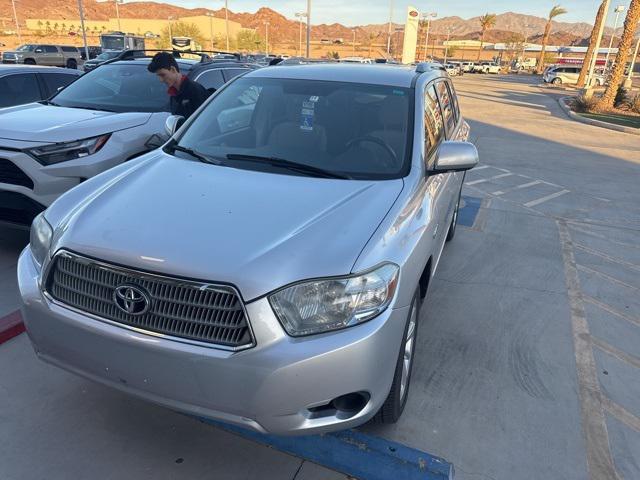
266, 267
49, 55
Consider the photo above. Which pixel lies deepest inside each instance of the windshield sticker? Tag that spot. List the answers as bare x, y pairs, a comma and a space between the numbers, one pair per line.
314, 98
307, 113
398, 92
306, 122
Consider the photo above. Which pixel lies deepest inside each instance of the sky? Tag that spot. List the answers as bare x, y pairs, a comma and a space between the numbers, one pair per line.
360, 12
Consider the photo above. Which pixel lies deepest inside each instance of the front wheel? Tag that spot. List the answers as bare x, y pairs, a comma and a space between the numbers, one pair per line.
557, 81
71, 63
394, 405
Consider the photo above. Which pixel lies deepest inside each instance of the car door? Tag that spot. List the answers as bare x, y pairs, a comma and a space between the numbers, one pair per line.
18, 89
53, 55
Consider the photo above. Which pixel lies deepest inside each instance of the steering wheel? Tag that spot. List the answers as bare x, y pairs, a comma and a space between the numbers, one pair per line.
378, 141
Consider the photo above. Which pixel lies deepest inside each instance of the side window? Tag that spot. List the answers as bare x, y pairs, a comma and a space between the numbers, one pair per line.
447, 107
19, 89
70, 49
54, 81
232, 73
433, 122
211, 80
50, 49
454, 101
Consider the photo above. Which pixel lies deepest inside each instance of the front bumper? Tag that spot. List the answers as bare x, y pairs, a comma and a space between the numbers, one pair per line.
268, 388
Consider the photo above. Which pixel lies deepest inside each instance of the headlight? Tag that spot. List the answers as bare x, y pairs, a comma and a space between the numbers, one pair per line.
40, 238
62, 152
335, 303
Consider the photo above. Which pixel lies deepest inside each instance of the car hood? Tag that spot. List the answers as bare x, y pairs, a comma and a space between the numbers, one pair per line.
257, 231
47, 123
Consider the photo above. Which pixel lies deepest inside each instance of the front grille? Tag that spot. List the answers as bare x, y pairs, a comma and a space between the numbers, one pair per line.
10, 173
199, 312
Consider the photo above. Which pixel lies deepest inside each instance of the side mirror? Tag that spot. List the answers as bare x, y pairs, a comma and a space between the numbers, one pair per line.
455, 157
173, 123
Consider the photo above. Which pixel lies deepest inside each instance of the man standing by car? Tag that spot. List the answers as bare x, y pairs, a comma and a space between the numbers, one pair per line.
185, 95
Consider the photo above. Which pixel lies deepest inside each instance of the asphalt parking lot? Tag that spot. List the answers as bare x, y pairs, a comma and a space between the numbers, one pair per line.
528, 355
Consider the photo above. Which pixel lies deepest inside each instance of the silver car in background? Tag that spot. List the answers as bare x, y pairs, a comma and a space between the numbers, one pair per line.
266, 267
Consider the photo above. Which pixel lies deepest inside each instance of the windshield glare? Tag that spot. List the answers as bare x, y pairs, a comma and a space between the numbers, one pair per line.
116, 87
357, 130
25, 48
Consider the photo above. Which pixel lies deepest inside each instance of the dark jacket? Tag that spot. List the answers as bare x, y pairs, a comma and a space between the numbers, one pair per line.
188, 99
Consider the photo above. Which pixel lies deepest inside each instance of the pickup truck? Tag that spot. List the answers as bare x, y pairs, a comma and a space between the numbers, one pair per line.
486, 67
50, 55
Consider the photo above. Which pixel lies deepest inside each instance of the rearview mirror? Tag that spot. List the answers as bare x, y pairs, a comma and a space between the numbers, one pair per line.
455, 157
173, 123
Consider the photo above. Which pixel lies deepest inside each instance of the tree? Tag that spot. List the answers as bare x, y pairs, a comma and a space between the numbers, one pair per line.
40, 25
181, 29
487, 21
63, 27
249, 40
55, 27
370, 39
553, 13
592, 44
514, 45
624, 48
47, 24
452, 50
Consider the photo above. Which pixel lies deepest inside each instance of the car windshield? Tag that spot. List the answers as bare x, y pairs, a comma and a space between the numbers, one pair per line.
355, 130
107, 55
25, 48
116, 87
112, 42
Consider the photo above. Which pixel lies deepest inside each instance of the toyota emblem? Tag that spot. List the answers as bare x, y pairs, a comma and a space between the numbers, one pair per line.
131, 299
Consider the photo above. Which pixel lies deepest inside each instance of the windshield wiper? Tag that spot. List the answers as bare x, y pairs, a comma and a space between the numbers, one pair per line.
200, 156
101, 109
48, 102
289, 165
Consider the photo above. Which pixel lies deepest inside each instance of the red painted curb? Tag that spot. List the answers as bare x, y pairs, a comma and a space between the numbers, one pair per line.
11, 326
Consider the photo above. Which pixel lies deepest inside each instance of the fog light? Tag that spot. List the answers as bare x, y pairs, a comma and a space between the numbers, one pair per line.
351, 403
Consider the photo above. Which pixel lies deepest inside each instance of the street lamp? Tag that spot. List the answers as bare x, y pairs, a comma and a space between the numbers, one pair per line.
266, 48
526, 40
427, 17
594, 57
619, 9
210, 15
84, 32
354, 42
446, 45
308, 28
632, 65
170, 33
118, 14
226, 21
389, 31
15, 18
300, 16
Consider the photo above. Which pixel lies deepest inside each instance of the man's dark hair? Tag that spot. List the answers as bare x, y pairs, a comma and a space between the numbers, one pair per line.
162, 60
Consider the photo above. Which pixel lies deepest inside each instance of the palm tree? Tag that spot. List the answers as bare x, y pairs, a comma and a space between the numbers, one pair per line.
487, 21
624, 48
555, 11
592, 43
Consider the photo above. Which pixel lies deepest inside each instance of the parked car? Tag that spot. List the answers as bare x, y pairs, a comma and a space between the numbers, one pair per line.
486, 67
459, 67
468, 67
266, 267
451, 69
103, 57
51, 55
568, 75
20, 84
106, 117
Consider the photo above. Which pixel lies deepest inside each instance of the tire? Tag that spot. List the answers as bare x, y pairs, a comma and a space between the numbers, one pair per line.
557, 81
29, 61
454, 221
71, 63
393, 406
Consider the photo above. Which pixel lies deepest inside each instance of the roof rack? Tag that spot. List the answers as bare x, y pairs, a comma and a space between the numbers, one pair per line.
203, 54
424, 67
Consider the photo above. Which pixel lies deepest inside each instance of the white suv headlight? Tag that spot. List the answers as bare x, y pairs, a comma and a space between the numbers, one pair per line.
335, 303
62, 152
40, 238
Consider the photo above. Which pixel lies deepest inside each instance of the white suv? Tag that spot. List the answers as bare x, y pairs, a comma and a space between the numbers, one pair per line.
106, 117
568, 75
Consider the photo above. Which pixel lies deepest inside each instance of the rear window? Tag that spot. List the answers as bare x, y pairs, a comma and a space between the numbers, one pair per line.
70, 49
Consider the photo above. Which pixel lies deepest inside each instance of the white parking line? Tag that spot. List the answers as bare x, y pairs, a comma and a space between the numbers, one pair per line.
533, 203
482, 180
475, 169
597, 253
604, 276
518, 187
611, 310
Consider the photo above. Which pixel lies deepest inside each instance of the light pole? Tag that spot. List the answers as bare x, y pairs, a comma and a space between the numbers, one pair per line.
308, 28
15, 18
526, 40
594, 57
354, 42
170, 33
210, 15
266, 48
300, 16
619, 9
427, 17
84, 32
118, 14
446, 45
632, 65
226, 21
389, 31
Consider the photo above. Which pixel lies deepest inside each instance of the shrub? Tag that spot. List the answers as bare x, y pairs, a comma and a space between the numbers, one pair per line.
583, 104
634, 104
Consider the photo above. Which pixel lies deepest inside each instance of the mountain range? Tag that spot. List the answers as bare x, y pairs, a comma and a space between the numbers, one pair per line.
282, 29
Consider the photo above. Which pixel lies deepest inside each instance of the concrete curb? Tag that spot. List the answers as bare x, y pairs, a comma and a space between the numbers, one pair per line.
11, 326
590, 121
